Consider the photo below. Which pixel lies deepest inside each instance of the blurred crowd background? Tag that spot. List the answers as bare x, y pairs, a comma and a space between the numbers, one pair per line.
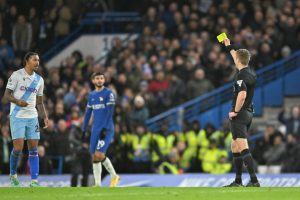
175, 59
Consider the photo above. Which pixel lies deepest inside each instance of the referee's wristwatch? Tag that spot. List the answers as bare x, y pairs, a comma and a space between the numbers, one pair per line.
236, 112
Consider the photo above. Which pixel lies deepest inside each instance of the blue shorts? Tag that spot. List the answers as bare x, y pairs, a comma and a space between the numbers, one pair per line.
25, 128
100, 140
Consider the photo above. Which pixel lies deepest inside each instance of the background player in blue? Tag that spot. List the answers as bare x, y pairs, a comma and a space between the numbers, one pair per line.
24, 91
101, 102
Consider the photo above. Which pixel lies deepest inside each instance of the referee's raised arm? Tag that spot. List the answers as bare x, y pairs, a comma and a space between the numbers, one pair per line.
231, 49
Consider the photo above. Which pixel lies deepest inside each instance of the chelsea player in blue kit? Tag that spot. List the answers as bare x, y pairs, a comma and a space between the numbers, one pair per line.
101, 102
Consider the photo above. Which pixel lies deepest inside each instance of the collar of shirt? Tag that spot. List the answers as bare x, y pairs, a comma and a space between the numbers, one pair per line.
31, 77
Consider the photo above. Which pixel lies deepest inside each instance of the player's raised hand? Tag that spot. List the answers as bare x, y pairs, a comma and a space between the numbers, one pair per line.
46, 121
22, 103
226, 42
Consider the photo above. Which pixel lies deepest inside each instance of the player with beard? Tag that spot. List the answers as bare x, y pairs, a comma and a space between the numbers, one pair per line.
101, 102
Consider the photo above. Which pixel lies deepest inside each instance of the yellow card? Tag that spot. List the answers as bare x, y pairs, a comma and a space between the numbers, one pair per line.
221, 37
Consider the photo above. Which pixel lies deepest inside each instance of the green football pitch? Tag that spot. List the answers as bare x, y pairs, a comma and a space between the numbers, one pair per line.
153, 193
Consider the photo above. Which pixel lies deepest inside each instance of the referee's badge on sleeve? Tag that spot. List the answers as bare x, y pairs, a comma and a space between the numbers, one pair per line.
239, 82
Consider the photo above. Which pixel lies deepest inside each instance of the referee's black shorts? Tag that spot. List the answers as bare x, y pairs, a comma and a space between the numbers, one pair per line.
240, 124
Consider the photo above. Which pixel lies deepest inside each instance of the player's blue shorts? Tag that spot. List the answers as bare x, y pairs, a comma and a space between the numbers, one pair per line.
100, 140
26, 128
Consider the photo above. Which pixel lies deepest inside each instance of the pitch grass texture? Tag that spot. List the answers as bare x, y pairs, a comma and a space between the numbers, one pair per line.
143, 193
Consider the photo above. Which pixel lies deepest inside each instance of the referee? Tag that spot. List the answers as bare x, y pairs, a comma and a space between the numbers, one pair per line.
241, 115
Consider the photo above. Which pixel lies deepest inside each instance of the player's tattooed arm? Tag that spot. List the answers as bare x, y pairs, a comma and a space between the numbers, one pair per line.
41, 108
8, 96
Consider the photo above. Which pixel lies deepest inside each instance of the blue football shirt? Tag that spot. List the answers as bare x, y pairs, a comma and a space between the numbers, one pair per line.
101, 103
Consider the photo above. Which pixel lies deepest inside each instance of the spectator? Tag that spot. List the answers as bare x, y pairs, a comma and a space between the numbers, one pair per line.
45, 163
293, 122
264, 144
160, 84
285, 52
33, 19
61, 17
63, 144
140, 149
171, 165
48, 138
59, 112
81, 162
61, 140
274, 155
151, 19
199, 85
290, 31
22, 36
140, 112
5, 149
9, 19
265, 55
115, 50
158, 87
214, 160
291, 162
2, 89
7, 54
176, 89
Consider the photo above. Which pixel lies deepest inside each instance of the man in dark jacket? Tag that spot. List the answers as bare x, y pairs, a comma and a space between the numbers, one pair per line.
5, 149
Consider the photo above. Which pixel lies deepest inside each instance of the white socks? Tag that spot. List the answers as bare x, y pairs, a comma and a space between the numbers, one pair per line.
108, 166
97, 170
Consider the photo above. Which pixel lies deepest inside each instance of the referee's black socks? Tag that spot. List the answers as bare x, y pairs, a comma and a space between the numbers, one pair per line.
249, 163
238, 164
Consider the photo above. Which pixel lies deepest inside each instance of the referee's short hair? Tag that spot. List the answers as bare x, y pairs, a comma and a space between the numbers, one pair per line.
243, 56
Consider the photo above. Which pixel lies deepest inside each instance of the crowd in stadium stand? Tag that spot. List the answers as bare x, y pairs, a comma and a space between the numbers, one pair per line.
175, 59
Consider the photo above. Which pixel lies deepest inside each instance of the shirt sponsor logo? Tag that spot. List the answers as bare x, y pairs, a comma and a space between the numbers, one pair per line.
29, 89
98, 106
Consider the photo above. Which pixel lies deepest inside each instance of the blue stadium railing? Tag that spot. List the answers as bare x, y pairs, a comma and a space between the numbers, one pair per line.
97, 23
273, 83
